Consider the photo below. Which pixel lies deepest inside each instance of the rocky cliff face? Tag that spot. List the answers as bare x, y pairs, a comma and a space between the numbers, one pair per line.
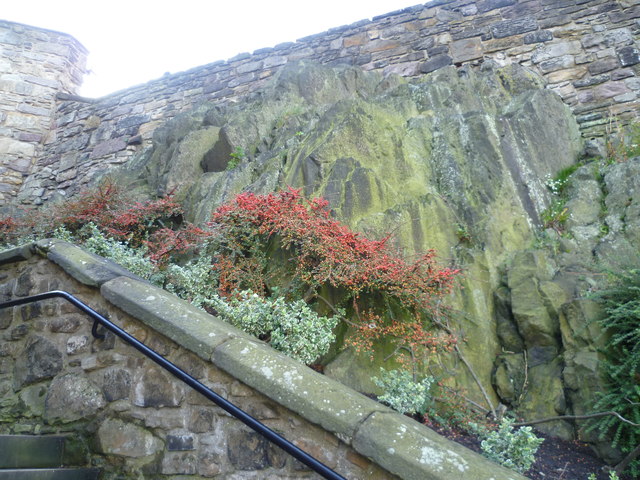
457, 161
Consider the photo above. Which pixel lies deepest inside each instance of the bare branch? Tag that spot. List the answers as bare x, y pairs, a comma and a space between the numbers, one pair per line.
577, 417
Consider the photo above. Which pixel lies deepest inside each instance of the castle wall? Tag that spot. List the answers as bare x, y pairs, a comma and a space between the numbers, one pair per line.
587, 51
35, 65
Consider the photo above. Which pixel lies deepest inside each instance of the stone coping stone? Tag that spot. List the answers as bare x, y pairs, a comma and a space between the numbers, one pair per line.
86, 267
169, 315
414, 452
16, 254
315, 397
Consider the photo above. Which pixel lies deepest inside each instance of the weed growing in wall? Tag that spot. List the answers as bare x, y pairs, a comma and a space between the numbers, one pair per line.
622, 143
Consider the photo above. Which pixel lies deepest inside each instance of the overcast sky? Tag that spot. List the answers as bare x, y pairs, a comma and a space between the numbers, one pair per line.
134, 41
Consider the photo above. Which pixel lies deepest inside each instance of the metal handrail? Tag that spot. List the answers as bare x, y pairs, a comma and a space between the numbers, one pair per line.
229, 407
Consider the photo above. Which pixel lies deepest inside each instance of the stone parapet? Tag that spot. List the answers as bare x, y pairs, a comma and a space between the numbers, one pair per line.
130, 417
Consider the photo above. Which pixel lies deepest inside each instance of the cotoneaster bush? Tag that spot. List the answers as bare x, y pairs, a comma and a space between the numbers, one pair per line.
322, 251
212, 266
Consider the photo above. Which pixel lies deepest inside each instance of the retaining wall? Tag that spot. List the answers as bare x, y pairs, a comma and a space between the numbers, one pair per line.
133, 419
587, 50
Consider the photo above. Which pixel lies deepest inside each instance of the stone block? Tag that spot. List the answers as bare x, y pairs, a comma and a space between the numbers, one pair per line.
108, 147
26, 108
177, 319
72, 397
485, 6
566, 75
274, 61
249, 67
202, 419
622, 73
179, 463
116, 384
608, 38
66, 175
590, 81
629, 55
85, 267
625, 97
319, 399
403, 69
40, 359
610, 89
23, 121
603, 65
154, 387
411, 450
554, 20
77, 344
508, 28
380, 45
436, 63
180, 443
552, 50
247, 450
556, 63
16, 254
466, 49
538, 37
116, 437
624, 16
29, 137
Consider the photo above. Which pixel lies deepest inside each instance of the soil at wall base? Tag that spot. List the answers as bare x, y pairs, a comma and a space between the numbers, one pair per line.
556, 459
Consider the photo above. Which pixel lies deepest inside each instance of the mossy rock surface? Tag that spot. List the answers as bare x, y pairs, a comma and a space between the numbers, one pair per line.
456, 160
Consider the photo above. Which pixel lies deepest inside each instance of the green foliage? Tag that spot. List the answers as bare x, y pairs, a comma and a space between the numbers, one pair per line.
236, 157
622, 143
292, 328
558, 184
621, 321
194, 281
555, 216
515, 449
402, 393
612, 476
133, 259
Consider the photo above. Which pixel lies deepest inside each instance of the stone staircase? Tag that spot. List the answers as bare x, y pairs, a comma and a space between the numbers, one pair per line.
32, 457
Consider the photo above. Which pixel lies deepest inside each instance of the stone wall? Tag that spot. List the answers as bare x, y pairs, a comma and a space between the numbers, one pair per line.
35, 65
132, 419
587, 50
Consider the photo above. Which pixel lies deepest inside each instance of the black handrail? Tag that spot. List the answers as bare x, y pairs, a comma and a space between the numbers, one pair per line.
229, 407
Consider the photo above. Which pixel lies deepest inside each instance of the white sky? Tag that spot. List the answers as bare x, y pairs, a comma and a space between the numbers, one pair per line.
134, 41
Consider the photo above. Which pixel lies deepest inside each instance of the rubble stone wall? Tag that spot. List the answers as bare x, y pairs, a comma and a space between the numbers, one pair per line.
587, 50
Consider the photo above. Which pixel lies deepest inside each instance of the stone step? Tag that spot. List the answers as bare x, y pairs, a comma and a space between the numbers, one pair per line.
49, 474
31, 451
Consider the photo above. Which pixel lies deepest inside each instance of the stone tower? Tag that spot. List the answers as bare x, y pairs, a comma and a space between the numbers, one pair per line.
36, 65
